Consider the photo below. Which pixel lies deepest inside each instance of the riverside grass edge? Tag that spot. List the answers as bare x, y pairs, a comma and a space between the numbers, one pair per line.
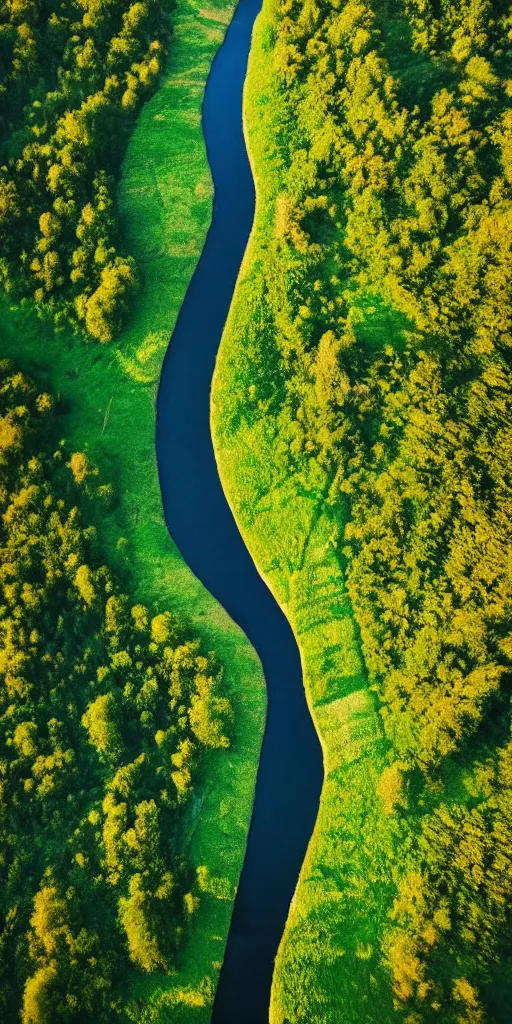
109, 394
290, 537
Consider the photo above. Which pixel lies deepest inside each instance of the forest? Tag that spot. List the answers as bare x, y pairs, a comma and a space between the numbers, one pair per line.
132, 707
398, 361
369, 350
105, 709
73, 76
362, 418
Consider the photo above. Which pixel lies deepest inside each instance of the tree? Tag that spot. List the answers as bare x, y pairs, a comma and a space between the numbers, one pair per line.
100, 720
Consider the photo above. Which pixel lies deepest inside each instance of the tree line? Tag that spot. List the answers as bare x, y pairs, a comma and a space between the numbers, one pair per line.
106, 707
73, 75
388, 276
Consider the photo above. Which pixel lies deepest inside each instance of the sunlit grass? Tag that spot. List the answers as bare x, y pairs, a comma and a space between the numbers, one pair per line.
328, 957
108, 394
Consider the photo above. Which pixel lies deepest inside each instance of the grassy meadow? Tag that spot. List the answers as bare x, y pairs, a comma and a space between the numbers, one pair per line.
107, 396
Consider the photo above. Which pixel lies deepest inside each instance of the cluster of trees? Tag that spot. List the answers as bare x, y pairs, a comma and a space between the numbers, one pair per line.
458, 894
460, 30
74, 73
105, 708
400, 358
389, 277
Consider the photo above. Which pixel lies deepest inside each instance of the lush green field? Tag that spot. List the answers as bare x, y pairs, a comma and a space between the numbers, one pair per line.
353, 412
109, 396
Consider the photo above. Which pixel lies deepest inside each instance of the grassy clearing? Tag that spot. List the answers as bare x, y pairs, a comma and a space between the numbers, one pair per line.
325, 967
108, 395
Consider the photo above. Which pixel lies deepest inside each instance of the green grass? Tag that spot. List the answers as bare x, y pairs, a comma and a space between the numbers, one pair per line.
108, 394
327, 967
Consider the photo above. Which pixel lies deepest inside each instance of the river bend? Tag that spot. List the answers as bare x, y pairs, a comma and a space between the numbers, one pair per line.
201, 524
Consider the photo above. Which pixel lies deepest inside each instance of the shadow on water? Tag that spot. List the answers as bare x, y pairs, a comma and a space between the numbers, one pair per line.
200, 521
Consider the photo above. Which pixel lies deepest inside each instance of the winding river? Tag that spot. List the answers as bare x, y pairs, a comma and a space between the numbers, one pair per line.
200, 522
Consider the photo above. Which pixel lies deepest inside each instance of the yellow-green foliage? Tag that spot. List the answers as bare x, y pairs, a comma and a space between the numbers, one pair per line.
363, 386
73, 79
458, 889
105, 391
92, 871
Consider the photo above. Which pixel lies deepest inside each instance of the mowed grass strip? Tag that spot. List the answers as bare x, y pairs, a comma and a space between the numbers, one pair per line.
108, 396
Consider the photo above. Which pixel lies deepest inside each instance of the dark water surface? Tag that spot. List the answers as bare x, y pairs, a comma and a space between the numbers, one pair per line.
200, 521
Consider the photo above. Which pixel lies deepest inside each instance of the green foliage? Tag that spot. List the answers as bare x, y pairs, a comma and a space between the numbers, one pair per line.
103, 711
74, 77
100, 722
363, 423
105, 393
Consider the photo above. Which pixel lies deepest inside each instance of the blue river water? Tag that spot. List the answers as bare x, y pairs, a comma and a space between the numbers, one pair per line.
200, 522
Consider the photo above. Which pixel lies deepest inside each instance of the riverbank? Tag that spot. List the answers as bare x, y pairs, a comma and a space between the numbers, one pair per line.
342, 405
293, 531
109, 395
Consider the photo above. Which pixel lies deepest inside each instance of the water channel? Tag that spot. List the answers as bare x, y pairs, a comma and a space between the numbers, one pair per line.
201, 523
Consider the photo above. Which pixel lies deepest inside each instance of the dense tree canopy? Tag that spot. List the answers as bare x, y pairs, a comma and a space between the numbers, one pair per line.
105, 708
384, 280
399, 362
73, 74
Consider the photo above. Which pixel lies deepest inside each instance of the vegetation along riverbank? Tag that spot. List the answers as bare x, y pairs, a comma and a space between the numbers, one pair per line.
362, 424
129, 751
